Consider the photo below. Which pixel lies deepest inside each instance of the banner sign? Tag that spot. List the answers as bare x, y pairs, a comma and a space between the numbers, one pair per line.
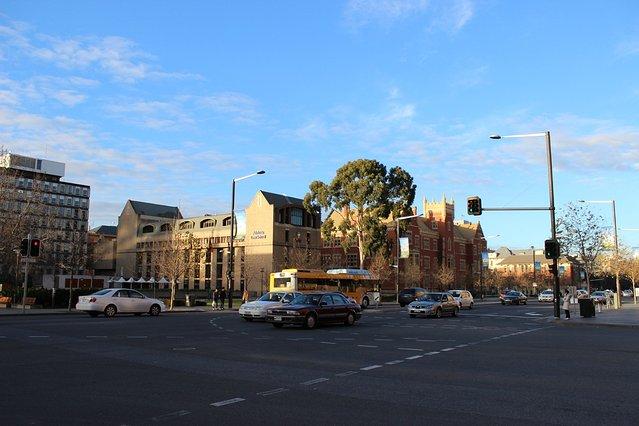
537, 266
484, 259
404, 252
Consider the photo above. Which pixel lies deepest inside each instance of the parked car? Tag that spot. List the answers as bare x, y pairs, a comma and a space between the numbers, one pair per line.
464, 298
408, 295
627, 293
434, 304
546, 296
311, 309
514, 298
599, 297
111, 301
582, 294
257, 308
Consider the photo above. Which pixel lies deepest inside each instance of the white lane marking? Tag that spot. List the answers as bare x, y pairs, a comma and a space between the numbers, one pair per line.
226, 402
171, 415
409, 338
95, 337
383, 340
370, 367
328, 343
461, 346
183, 349
397, 361
175, 337
367, 346
38, 337
534, 314
414, 357
137, 337
261, 338
314, 381
410, 349
272, 391
344, 338
244, 333
298, 339
346, 373
432, 353
447, 349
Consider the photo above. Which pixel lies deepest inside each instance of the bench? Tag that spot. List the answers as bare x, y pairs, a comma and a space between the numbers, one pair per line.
5, 302
29, 302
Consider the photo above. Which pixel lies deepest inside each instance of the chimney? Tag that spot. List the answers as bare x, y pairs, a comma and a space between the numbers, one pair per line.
414, 209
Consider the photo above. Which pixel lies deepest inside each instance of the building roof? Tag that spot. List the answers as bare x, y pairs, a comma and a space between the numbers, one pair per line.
520, 259
158, 210
467, 230
105, 230
279, 200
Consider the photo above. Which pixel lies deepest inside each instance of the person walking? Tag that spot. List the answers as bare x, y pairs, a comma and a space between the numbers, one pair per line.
245, 296
222, 297
216, 299
566, 305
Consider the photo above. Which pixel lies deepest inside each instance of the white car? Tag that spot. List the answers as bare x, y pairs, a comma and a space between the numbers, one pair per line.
464, 298
111, 301
546, 296
257, 308
627, 293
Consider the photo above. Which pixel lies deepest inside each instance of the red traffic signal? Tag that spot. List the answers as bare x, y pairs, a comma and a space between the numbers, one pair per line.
34, 250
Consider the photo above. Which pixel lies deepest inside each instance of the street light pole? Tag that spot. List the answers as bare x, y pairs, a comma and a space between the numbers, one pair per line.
229, 273
399, 254
534, 267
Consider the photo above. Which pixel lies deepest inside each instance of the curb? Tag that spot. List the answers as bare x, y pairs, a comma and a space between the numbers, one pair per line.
587, 323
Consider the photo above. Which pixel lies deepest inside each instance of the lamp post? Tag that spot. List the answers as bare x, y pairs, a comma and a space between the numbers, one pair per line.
230, 271
534, 266
399, 253
614, 226
551, 207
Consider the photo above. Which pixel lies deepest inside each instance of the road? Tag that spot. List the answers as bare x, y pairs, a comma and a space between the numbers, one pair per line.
491, 365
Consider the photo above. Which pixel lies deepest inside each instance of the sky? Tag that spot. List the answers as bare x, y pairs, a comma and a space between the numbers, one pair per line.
167, 101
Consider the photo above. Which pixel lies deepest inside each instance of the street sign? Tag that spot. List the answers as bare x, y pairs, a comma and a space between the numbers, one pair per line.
537, 266
484, 259
562, 270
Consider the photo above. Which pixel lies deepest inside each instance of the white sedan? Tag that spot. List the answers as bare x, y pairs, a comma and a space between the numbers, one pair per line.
257, 308
111, 301
546, 296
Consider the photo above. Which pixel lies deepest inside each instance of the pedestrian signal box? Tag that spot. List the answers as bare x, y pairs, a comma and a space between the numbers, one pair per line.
474, 206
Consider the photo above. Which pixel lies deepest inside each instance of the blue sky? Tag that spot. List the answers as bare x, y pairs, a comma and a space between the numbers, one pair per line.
166, 102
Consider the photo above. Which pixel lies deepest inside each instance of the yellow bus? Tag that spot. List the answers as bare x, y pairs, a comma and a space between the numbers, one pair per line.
358, 284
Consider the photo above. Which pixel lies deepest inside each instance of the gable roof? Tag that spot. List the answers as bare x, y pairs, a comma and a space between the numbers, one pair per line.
158, 210
279, 200
105, 230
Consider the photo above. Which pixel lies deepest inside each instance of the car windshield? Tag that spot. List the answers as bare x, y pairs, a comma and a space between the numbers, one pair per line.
307, 299
431, 297
271, 297
101, 292
456, 293
513, 293
546, 292
598, 293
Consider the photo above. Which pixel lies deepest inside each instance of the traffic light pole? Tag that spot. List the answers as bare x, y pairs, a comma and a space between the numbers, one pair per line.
553, 223
26, 275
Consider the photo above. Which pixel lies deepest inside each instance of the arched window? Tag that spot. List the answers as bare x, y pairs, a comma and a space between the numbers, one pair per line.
166, 227
208, 223
148, 229
226, 221
186, 225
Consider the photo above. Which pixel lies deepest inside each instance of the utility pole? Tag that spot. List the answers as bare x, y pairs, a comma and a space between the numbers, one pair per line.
26, 275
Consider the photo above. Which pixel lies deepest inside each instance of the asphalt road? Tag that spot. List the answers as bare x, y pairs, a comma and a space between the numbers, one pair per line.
492, 365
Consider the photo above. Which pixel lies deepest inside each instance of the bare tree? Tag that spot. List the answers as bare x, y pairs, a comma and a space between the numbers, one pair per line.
581, 237
630, 268
380, 266
445, 277
75, 259
412, 274
174, 259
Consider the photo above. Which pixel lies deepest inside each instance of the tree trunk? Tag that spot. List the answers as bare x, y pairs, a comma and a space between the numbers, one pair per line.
634, 292
360, 249
587, 280
172, 295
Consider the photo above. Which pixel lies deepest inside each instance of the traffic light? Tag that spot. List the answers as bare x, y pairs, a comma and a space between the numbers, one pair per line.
34, 250
474, 206
24, 247
551, 249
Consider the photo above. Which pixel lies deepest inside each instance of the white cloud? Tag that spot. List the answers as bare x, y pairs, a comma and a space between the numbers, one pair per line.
68, 91
159, 115
238, 106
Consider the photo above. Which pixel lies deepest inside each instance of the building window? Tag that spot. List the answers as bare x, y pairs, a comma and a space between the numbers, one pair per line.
186, 225
226, 221
351, 261
434, 225
165, 227
147, 229
462, 264
337, 260
297, 217
426, 263
208, 223
326, 259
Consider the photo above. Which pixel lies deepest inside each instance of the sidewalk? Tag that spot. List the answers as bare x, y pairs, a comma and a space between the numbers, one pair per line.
627, 316
63, 311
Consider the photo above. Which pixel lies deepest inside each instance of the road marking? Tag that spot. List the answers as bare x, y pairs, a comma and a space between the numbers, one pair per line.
261, 338
227, 402
328, 343
461, 346
344, 338
410, 349
38, 337
297, 339
409, 338
397, 361
534, 314
414, 357
175, 337
346, 373
314, 381
95, 337
183, 349
171, 415
383, 340
370, 367
245, 333
432, 353
447, 350
272, 391
137, 337
367, 346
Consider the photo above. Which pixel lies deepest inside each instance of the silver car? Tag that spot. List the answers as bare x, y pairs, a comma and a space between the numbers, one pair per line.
434, 304
111, 301
257, 308
464, 298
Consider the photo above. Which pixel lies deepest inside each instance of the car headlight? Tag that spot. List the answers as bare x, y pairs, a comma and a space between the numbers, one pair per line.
292, 313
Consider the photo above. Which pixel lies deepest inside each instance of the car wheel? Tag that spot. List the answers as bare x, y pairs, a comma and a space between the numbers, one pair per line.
412, 315
350, 319
278, 325
455, 312
249, 319
154, 311
438, 313
365, 303
110, 311
470, 306
93, 314
525, 302
503, 303
310, 321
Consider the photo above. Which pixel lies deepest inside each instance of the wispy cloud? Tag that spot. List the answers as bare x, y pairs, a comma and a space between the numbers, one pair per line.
628, 48
237, 106
68, 91
118, 57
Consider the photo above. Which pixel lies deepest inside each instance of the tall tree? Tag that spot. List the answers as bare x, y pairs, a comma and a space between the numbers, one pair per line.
581, 236
445, 277
363, 193
175, 258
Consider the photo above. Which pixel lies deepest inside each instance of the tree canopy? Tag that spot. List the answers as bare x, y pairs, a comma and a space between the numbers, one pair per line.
362, 194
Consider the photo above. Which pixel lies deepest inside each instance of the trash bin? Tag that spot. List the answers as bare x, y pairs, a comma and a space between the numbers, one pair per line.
586, 308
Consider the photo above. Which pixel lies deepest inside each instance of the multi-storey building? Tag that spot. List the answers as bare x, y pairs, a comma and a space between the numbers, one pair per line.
35, 200
268, 233
435, 240
520, 263
102, 245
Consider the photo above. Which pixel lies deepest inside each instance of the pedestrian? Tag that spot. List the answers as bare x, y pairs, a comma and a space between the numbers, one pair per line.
216, 299
566, 305
222, 297
245, 296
